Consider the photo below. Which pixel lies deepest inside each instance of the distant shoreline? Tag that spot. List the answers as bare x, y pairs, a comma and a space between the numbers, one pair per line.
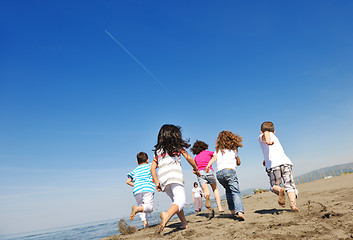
324, 204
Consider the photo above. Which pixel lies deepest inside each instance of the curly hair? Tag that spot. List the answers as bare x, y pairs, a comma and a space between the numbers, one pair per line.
228, 140
198, 147
170, 140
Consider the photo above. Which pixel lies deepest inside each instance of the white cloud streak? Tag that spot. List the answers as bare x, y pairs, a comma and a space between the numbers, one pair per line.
139, 63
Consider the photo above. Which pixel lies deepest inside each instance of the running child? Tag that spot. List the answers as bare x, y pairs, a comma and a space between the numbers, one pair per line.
168, 150
227, 158
203, 157
143, 188
278, 166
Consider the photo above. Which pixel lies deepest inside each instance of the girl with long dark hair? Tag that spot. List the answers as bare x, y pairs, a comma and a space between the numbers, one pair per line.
168, 150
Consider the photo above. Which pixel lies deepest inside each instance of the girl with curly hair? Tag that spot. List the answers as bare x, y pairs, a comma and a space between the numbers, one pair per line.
227, 159
203, 157
168, 150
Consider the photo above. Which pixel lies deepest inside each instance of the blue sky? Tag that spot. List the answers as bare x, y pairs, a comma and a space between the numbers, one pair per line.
75, 108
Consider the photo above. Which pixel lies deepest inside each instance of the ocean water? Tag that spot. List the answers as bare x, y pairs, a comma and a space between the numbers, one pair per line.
88, 231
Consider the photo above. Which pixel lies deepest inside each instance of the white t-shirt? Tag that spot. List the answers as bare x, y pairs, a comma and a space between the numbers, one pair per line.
227, 159
273, 154
196, 192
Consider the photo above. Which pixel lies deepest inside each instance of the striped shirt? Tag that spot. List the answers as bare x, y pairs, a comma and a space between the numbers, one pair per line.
142, 179
170, 170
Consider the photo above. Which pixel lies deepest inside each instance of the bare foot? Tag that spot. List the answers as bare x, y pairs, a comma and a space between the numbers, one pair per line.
146, 226
294, 207
207, 202
133, 212
282, 198
163, 222
183, 227
241, 216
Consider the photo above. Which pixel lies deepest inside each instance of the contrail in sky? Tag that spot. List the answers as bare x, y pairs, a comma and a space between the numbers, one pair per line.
138, 62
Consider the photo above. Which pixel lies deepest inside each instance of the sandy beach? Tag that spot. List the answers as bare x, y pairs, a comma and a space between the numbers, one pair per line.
326, 212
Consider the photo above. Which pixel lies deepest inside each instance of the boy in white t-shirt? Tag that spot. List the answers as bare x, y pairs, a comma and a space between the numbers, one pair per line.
278, 166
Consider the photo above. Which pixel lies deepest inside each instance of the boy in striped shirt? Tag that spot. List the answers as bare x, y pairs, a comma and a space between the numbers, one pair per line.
143, 188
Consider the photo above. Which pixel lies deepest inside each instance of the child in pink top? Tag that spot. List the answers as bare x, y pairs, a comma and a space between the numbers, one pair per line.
203, 156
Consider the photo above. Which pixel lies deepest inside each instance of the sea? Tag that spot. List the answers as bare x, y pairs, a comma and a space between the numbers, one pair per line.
90, 231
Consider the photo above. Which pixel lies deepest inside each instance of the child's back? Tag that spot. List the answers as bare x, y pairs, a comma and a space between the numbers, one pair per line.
273, 154
170, 145
143, 188
228, 159
170, 170
203, 158
278, 166
142, 179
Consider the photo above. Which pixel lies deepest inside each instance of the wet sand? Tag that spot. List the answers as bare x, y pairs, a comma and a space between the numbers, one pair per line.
326, 212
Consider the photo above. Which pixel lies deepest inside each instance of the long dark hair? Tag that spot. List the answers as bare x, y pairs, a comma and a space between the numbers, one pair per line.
170, 140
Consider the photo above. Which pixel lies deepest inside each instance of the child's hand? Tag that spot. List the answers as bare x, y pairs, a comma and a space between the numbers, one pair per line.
158, 187
130, 182
207, 169
266, 138
196, 172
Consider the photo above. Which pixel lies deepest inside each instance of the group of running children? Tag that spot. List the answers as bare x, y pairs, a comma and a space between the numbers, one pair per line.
167, 158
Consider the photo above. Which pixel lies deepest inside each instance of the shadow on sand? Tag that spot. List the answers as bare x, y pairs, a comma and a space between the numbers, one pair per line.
230, 216
271, 211
176, 228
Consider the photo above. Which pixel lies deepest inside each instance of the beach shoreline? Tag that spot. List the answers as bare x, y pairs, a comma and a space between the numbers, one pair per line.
326, 210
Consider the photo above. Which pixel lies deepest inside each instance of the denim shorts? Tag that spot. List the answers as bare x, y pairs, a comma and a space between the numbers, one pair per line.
206, 177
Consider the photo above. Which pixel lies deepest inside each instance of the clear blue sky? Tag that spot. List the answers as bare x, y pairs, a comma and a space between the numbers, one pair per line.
75, 108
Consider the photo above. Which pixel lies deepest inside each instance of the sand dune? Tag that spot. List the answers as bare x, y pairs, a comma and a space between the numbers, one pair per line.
326, 212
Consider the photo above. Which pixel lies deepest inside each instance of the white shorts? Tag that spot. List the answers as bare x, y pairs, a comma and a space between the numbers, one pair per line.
145, 199
176, 192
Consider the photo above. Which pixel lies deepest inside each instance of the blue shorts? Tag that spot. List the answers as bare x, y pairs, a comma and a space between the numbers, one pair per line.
208, 178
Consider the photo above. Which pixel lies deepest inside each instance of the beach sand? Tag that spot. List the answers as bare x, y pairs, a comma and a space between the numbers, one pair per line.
326, 212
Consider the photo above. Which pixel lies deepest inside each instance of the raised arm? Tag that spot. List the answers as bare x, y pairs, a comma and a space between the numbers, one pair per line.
267, 138
154, 166
191, 161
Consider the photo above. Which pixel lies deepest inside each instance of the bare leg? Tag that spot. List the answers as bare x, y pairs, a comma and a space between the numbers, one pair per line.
292, 199
182, 218
145, 224
281, 195
166, 216
217, 196
135, 210
206, 191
